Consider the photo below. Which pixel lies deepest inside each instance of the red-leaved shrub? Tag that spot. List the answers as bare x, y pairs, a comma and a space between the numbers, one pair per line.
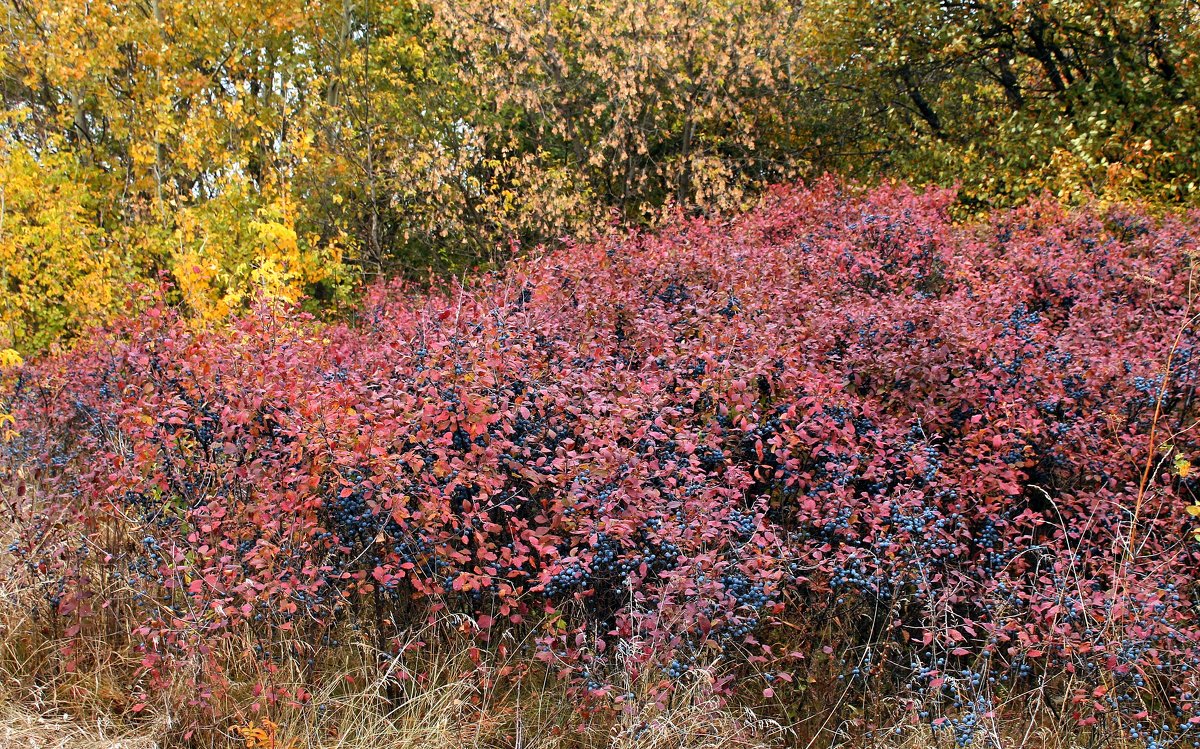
971, 439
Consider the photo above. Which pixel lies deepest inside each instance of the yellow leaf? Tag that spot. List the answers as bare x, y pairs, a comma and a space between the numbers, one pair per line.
10, 358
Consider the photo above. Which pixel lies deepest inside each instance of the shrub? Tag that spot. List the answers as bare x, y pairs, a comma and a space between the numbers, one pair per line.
959, 451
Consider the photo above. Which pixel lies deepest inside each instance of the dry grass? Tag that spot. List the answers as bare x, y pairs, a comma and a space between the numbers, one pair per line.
446, 714
453, 709
21, 728
446, 719
356, 705
458, 704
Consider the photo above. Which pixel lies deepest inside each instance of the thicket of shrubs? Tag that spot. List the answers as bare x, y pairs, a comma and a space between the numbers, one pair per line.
841, 435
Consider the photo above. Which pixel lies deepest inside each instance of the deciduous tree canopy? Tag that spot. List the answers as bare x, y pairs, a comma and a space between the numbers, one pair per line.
288, 147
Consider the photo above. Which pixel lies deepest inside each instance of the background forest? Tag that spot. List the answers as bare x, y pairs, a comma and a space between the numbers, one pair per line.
294, 148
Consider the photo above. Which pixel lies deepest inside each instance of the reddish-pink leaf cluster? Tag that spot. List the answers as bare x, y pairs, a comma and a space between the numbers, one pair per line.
841, 397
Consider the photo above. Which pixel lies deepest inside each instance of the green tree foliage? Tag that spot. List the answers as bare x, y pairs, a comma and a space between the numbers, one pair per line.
1075, 96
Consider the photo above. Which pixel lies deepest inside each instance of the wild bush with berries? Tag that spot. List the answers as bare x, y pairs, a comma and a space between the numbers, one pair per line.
965, 445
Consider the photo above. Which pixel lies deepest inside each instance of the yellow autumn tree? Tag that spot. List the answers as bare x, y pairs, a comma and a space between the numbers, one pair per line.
185, 123
58, 273
231, 250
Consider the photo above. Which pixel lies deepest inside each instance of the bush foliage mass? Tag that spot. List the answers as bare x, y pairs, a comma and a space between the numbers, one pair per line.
967, 444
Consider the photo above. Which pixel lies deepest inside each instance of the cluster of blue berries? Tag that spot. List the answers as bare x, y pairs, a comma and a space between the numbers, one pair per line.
677, 669
574, 577
349, 519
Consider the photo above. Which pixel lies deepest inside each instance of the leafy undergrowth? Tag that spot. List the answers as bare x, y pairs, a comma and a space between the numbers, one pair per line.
842, 462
